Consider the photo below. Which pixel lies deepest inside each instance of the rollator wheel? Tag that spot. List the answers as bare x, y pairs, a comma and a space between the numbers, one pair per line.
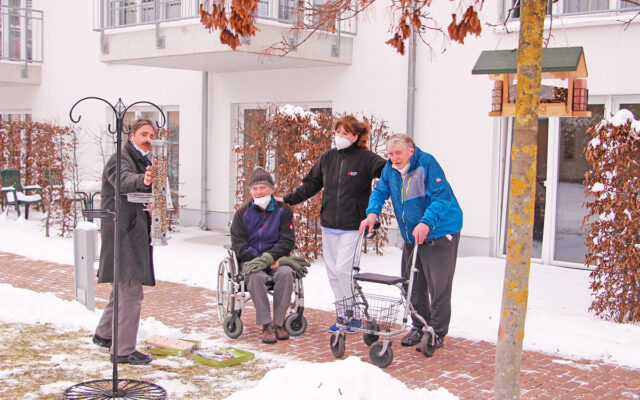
380, 360
425, 346
295, 326
232, 326
337, 343
370, 338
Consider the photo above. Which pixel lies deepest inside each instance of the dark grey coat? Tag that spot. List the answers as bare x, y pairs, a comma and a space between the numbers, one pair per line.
136, 257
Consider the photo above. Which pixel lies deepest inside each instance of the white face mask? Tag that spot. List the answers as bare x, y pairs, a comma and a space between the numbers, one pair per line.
262, 202
342, 143
144, 153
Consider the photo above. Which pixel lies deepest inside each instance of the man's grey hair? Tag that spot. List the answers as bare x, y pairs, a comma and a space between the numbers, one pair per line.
401, 138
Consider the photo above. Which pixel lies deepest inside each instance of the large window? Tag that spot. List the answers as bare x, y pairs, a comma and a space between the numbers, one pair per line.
569, 7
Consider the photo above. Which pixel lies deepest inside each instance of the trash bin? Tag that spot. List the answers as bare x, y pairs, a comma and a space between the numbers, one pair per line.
84, 249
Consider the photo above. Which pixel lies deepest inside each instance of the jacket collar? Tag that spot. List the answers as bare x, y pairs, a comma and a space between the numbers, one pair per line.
135, 154
350, 149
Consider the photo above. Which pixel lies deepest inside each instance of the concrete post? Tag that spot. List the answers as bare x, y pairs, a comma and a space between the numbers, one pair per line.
84, 249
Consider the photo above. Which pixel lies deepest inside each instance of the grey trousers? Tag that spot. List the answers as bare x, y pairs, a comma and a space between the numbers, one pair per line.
130, 295
283, 277
431, 294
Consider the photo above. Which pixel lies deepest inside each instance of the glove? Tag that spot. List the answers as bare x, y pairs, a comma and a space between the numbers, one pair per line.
257, 264
298, 264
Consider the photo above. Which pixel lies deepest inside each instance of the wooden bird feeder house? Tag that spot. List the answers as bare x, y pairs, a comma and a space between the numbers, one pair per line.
560, 63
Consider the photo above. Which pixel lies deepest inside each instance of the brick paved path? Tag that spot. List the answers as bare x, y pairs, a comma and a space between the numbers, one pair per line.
463, 367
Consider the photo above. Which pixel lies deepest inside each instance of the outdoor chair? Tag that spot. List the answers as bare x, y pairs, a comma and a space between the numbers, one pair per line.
57, 188
15, 194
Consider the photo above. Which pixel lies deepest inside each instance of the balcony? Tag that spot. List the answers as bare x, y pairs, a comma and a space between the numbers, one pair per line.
168, 34
20, 45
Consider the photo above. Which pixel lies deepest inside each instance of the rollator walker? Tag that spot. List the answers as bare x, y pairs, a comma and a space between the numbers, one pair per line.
232, 295
375, 316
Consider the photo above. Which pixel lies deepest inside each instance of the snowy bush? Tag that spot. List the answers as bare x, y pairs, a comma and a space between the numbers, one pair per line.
287, 143
613, 223
39, 150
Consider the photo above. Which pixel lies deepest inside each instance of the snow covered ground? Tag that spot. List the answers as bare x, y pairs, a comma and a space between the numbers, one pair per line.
558, 321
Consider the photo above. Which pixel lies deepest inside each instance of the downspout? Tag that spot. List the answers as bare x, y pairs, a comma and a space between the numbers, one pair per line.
203, 183
411, 84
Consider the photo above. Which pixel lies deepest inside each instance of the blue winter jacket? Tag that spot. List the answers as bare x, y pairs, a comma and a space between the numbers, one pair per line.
423, 196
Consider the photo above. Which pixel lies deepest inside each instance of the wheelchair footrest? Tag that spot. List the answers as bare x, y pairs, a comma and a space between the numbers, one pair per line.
378, 278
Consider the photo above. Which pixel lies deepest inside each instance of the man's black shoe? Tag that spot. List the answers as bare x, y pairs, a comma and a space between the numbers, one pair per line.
439, 342
412, 338
102, 342
135, 358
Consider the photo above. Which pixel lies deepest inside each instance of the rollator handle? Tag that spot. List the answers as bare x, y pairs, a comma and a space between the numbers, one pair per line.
371, 235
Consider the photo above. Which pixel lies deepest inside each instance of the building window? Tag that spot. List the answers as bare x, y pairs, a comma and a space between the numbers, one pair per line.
568, 7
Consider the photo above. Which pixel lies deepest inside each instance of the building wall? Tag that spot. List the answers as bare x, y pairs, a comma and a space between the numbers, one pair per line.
451, 120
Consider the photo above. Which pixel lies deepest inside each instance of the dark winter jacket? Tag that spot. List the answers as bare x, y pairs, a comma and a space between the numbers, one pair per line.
135, 256
423, 196
346, 176
255, 231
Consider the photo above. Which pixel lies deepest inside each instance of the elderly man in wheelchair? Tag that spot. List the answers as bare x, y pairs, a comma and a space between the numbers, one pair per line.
262, 239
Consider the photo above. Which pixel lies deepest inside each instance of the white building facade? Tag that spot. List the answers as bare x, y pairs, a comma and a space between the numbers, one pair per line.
157, 50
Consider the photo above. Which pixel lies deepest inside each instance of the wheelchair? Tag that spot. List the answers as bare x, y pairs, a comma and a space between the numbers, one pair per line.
232, 297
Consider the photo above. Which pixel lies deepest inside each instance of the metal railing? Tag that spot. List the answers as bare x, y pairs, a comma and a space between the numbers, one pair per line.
110, 14
21, 34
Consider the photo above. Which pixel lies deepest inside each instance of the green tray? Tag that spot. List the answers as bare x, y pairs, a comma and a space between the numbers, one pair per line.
159, 351
208, 357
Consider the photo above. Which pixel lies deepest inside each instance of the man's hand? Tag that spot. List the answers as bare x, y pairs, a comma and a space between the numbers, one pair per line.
298, 264
368, 222
278, 199
420, 232
258, 264
148, 177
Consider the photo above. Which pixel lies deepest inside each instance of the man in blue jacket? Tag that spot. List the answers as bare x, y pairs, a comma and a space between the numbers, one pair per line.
428, 214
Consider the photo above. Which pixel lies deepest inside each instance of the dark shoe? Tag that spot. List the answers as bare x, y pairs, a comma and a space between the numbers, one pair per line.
412, 338
439, 343
135, 358
281, 333
268, 334
102, 342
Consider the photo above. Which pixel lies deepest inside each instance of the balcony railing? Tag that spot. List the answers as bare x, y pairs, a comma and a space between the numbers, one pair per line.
109, 14
20, 34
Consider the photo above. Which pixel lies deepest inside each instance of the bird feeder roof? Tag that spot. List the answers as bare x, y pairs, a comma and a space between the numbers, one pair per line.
554, 60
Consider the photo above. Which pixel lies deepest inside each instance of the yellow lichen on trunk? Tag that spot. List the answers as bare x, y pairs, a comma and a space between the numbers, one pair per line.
521, 202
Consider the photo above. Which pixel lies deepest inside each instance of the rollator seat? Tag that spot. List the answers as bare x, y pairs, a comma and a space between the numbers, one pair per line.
378, 278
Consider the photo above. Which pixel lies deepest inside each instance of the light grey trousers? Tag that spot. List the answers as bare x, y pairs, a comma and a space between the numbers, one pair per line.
283, 277
432, 285
130, 295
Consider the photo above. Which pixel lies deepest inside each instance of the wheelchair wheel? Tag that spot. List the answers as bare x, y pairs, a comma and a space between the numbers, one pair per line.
232, 326
225, 290
425, 346
380, 360
295, 326
369, 338
337, 343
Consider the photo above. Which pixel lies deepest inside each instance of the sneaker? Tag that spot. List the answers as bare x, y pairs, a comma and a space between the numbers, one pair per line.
281, 333
268, 334
135, 358
355, 323
412, 338
340, 321
101, 342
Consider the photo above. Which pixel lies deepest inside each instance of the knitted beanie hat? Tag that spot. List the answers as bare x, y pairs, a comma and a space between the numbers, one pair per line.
260, 176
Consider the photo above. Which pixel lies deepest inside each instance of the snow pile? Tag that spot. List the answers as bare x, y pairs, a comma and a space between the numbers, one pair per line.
298, 112
621, 118
25, 306
349, 379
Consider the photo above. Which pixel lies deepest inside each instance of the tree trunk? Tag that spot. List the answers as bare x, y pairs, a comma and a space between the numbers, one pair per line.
521, 201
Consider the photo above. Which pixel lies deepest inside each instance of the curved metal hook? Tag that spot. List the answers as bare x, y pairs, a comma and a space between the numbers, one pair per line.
110, 130
164, 120
87, 98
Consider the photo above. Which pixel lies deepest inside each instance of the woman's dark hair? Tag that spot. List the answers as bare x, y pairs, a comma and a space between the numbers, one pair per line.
353, 126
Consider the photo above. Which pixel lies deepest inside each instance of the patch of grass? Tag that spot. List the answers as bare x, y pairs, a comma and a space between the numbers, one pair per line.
40, 362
